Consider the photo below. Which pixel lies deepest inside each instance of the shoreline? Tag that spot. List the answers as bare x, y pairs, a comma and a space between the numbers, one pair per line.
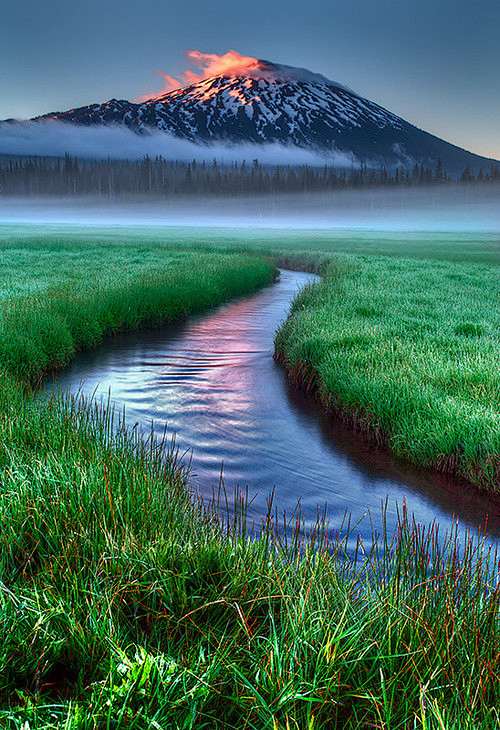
306, 380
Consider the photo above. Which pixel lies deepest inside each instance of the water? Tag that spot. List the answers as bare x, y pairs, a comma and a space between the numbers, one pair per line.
213, 381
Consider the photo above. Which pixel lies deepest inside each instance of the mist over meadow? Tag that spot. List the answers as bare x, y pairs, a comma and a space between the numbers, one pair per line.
459, 208
448, 207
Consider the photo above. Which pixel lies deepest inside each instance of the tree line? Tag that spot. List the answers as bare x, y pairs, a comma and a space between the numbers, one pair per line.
70, 176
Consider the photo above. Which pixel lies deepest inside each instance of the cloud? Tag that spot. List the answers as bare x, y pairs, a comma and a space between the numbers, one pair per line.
209, 64
53, 138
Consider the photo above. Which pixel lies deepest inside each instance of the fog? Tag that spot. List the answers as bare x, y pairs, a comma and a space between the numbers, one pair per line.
53, 138
458, 208
439, 208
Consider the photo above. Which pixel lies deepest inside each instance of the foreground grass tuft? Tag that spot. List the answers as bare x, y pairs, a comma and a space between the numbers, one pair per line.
125, 603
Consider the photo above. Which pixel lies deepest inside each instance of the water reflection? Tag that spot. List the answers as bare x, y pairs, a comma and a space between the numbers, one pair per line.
213, 381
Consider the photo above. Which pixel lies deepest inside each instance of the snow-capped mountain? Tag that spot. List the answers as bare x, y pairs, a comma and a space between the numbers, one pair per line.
274, 103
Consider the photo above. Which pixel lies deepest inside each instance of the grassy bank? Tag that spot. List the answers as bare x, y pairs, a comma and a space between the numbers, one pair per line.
61, 299
408, 352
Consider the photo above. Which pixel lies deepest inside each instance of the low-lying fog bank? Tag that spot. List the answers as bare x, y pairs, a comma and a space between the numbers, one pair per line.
461, 208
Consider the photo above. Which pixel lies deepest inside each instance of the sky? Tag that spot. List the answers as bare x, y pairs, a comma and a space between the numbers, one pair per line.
433, 62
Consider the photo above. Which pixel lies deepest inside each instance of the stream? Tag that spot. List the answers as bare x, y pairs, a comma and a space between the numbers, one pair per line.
212, 380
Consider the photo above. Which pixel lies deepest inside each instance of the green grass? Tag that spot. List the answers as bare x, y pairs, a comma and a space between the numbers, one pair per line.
408, 351
58, 301
473, 247
126, 603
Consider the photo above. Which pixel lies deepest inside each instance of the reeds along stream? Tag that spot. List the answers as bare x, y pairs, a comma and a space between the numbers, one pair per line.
213, 382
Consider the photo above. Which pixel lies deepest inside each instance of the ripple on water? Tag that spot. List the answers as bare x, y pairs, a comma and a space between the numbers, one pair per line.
212, 379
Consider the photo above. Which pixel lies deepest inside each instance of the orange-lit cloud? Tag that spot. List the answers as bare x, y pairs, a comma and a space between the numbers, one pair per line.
209, 64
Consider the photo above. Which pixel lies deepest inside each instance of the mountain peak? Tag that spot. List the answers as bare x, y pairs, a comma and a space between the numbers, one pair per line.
261, 69
233, 65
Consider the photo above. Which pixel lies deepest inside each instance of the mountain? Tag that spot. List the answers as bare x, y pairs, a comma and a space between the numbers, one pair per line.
272, 103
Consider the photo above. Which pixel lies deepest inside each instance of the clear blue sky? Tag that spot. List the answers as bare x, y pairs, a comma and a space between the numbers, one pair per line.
436, 63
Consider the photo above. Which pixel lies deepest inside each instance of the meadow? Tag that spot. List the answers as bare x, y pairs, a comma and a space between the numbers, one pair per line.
125, 602
149, 239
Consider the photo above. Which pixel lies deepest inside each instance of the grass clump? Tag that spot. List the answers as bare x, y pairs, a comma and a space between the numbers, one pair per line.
408, 352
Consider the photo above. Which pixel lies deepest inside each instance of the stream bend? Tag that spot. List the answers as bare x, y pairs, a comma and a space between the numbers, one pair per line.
213, 381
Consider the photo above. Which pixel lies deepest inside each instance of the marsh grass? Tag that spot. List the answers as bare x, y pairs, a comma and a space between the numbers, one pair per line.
408, 352
149, 241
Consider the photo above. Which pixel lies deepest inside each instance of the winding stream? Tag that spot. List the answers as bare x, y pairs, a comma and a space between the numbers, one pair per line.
212, 379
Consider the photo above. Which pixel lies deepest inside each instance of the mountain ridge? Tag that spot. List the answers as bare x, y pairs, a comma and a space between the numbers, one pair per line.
272, 103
